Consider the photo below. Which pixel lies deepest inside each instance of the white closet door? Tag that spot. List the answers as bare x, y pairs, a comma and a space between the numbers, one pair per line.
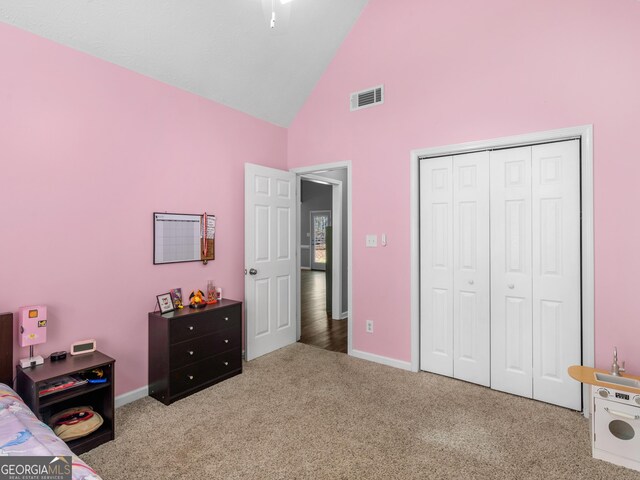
556, 272
511, 281
471, 324
436, 266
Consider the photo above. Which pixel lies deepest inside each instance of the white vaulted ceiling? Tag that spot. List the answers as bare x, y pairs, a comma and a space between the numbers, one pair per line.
223, 50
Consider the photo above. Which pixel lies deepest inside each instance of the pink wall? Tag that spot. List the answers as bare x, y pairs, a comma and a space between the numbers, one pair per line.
460, 71
88, 151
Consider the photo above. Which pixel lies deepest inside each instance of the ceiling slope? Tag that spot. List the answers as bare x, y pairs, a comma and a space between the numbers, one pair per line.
223, 50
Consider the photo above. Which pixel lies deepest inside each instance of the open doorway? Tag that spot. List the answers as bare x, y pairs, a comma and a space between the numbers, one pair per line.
323, 246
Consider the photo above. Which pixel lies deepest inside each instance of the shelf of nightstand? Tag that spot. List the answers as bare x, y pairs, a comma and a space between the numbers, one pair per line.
63, 395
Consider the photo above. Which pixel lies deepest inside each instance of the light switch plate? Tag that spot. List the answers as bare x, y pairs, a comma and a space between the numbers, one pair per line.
372, 241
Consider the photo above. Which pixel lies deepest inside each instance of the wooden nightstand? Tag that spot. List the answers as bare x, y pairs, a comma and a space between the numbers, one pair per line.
100, 396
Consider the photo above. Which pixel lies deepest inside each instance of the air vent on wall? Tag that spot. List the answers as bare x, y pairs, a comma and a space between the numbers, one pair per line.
367, 98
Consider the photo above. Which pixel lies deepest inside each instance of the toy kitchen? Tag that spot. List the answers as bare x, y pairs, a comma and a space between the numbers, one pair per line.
615, 413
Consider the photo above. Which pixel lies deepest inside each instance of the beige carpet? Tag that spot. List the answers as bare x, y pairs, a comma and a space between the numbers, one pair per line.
302, 412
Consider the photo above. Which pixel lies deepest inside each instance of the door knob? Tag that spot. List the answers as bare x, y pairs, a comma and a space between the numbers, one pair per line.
253, 271
511, 285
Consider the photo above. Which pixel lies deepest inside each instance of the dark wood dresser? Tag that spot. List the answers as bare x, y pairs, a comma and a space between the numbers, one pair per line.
192, 349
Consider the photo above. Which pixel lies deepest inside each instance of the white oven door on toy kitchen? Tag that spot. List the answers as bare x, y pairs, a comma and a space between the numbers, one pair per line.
617, 428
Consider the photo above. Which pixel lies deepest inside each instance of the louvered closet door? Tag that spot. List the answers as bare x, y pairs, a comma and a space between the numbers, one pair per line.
511, 280
471, 325
556, 272
436, 266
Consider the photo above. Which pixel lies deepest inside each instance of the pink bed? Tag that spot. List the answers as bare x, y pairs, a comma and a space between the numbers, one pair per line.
21, 433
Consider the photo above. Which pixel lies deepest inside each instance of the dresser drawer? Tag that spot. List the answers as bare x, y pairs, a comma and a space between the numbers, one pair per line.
199, 373
191, 351
193, 326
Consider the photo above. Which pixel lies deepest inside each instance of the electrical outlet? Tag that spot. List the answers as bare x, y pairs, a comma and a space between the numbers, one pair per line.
369, 326
371, 241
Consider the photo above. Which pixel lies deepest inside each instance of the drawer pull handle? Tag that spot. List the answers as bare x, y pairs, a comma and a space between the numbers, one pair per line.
190, 377
226, 341
226, 319
226, 363
190, 327
190, 352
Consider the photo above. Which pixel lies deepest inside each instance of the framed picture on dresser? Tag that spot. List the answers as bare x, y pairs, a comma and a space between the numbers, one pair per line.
165, 303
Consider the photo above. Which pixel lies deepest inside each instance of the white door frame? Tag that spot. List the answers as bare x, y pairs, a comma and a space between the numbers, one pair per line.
307, 173
585, 134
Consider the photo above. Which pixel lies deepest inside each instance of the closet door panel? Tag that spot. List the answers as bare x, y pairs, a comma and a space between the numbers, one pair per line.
556, 272
511, 283
436, 266
471, 333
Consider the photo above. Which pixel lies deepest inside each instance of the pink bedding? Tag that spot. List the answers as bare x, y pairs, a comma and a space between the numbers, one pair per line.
21, 433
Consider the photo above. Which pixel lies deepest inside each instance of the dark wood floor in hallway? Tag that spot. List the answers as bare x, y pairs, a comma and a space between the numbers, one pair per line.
318, 328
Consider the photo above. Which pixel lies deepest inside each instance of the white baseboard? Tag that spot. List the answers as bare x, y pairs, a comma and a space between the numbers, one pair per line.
132, 396
344, 315
305, 268
372, 357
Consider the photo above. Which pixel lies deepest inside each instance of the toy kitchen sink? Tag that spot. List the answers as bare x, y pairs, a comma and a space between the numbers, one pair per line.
615, 415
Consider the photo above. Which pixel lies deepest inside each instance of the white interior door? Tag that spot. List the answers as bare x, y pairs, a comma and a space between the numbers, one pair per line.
556, 272
436, 266
471, 315
270, 243
511, 280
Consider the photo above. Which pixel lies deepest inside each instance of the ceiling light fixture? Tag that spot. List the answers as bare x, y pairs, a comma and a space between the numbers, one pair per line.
272, 22
273, 15
277, 14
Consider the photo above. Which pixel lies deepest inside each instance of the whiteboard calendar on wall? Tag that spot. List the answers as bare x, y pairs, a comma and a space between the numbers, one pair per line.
183, 238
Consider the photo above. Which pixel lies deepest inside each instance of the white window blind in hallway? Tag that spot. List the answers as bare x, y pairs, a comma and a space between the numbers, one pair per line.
500, 269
